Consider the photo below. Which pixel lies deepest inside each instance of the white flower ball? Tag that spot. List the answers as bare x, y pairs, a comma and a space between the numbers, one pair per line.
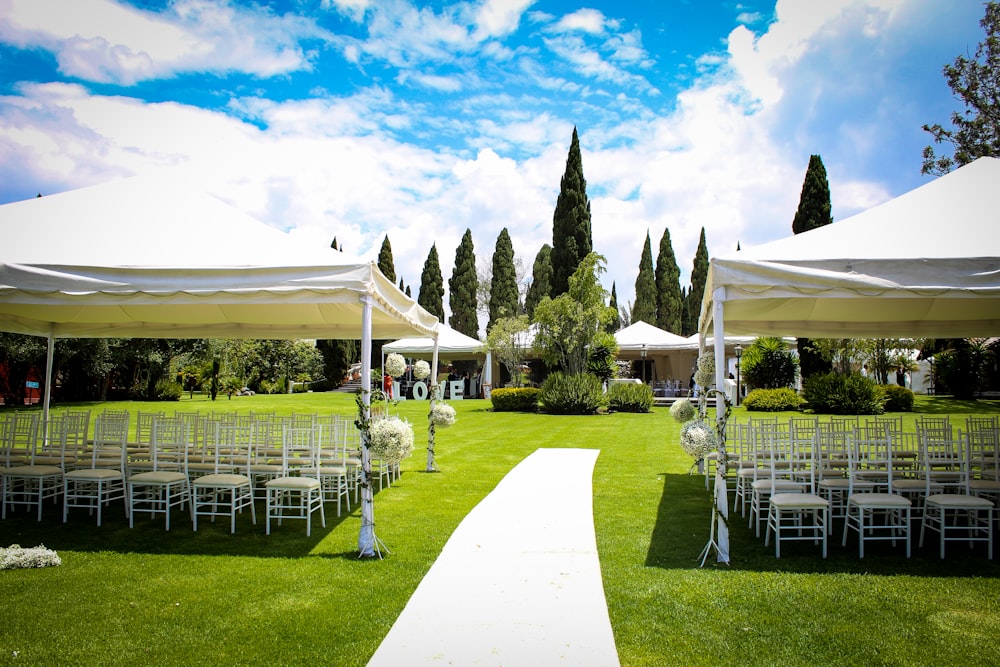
421, 370
395, 365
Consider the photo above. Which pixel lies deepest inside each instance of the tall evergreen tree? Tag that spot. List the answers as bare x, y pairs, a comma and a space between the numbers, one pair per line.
462, 289
814, 211
503, 286
669, 306
644, 308
699, 276
385, 263
541, 280
431, 295
616, 322
814, 202
571, 234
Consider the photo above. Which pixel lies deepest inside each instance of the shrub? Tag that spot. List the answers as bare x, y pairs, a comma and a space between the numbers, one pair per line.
898, 399
768, 364
836, 394
515, 399
630, 397
168, 390
579, 394
772, 400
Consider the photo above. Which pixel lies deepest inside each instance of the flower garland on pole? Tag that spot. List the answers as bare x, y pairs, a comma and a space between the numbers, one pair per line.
699, 440
422, 371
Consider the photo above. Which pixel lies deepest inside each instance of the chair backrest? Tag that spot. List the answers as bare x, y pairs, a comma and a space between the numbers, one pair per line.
21, 437
169, 449
144, 426
789, 459
944, 459
110, 440
870, 457
231, 445
299, 450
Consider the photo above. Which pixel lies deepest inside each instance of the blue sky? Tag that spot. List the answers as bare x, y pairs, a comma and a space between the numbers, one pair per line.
360, 118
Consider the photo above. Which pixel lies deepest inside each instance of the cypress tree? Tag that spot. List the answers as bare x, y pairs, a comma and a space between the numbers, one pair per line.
503, 286
814, 202
814, 211
541, 280
571, 234
699, 276
615, 323
385, 263
462, 289
669, 307
431, 295
644, 308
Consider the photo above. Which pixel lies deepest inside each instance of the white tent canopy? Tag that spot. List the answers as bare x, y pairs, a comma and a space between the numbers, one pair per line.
636, 337
926, 264
450, 343
133, 258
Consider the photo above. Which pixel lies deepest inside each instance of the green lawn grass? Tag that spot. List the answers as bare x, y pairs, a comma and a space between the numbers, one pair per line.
145, 596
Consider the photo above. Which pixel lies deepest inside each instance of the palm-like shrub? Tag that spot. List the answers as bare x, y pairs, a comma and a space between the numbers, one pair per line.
768, 364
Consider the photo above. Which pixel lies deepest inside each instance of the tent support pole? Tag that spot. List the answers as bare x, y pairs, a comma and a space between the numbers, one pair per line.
50, 351
719, 535
433, 396
368, 543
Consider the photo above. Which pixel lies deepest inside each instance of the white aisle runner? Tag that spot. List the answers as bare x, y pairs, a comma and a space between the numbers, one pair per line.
519, 582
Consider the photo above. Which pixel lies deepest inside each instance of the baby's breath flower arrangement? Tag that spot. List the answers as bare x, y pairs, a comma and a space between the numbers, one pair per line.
698, 439
395, 365
390, 439
443, 415
421, 370
682, 410
15, 556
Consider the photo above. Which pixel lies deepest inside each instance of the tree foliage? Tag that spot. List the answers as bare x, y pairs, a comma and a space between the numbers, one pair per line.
503, 284
975, 82
541, 279
768, 364
644, 308
462, 289
814, 201
695, 295
385, 263
571, 232
616, 322
505, 339
568, 324
431, 294
669, 306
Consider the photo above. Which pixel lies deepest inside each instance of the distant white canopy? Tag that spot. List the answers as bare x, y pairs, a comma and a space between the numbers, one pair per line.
635, 337
450, 344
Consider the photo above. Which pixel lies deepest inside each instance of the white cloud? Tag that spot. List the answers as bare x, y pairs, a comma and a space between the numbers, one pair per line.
583, 20
107, 42
498, 18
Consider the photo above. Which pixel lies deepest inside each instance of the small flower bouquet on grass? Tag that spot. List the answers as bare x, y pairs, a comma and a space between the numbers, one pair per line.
15, 556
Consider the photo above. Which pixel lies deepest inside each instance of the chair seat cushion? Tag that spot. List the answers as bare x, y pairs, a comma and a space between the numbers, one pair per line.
910, 484
94, 474
293, 483
958, 500
879, 500
765, 485
33, 471
984, 485
158, 477
222, 479
798, 500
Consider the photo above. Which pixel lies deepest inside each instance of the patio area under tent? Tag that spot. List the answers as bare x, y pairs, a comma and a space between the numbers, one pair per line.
925, 264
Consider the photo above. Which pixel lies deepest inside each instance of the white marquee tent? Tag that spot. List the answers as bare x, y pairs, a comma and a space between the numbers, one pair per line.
141, 258
451, 344
926, 264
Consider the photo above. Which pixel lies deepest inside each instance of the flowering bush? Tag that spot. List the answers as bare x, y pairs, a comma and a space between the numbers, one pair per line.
443, 415
395, 365
421, 370
682, 410
390, 439
15, 556
698, 439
